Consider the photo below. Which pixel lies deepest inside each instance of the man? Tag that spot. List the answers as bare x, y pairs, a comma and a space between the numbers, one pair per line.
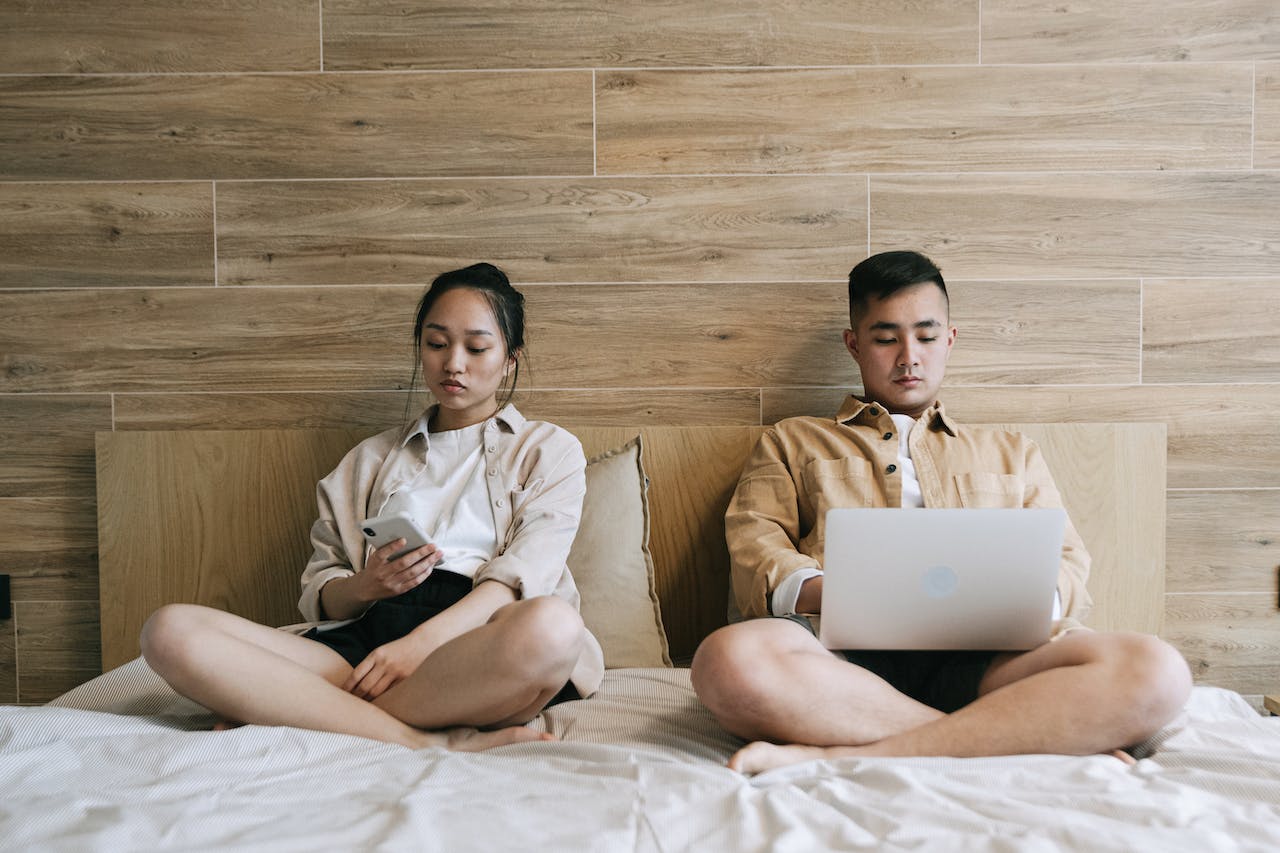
770, 681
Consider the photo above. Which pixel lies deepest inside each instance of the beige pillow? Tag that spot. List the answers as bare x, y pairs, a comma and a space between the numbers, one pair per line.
611, 565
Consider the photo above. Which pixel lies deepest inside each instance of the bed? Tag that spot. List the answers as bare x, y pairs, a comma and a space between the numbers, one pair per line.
121, 762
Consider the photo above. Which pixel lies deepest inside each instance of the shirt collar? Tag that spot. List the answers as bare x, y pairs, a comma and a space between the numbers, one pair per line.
855, 410
508, 417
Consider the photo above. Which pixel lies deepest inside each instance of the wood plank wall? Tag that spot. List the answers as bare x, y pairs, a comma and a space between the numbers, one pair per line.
220, 215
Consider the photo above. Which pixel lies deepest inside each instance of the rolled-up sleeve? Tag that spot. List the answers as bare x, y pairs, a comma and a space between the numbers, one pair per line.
762, 528
545, 512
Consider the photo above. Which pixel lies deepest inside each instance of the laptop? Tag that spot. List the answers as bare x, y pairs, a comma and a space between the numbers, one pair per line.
924, 579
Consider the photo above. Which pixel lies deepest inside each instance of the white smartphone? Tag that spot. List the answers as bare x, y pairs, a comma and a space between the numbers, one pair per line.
388, 528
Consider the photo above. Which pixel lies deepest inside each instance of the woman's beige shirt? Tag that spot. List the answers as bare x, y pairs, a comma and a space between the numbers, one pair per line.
535, 474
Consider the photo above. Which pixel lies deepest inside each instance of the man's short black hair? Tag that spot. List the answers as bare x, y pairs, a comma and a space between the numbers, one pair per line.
880, 276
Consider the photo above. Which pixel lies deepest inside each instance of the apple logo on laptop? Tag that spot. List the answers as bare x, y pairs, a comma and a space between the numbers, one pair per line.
939, 582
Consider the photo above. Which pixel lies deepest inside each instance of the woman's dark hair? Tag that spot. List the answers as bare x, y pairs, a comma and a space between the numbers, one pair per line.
506, 302
880, 276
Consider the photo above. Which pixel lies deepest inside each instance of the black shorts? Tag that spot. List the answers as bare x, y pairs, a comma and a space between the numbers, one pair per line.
944, 680
393, 618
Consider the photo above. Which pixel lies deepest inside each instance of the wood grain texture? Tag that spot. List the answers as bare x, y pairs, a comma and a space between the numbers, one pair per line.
267, 410
644, 407
88, 36
57, 645
547, 230
1266, 132
1216, 440
295, 126
1133, 31
1210, 330
217, 339
1029, 333
671, 336
49, 548
1061, 118
1224, 541
363, 34
46, 440
105, 235
379, 409
1229, 640
1060, 226
240, 507
688, 335
349, 338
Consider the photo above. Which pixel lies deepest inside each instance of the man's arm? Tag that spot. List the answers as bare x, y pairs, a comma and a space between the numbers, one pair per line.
762, 528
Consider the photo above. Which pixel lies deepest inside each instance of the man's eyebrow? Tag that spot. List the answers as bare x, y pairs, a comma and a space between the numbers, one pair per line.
441, 328
892, 327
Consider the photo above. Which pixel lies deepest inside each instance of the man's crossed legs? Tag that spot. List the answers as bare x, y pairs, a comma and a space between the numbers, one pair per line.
771, 682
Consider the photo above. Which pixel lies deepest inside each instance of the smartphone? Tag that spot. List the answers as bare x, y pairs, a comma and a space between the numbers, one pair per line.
388, 528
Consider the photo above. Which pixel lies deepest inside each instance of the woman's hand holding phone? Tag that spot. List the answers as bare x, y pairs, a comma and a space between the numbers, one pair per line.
390, 570
402, 557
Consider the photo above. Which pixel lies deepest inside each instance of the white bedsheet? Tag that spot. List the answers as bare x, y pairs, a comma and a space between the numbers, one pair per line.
640, 767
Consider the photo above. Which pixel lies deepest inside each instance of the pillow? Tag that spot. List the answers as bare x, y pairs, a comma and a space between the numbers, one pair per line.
611, 564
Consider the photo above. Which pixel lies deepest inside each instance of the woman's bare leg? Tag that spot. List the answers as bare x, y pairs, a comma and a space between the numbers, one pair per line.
500, 674
251, 673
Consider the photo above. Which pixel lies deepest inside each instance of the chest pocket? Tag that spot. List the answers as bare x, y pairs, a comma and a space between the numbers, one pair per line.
845, 482
983, 490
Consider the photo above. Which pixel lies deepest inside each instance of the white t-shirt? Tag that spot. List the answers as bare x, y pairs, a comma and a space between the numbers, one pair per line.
450, 501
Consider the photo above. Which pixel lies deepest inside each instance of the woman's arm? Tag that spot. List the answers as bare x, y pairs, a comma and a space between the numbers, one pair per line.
350, 596
545, 516
390, 663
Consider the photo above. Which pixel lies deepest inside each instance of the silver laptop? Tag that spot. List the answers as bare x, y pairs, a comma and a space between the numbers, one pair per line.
940, 578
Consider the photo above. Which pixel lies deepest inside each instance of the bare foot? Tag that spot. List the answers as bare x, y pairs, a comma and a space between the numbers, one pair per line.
761, 755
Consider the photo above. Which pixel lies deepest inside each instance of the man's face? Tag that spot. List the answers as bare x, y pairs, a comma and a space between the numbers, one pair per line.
901, 346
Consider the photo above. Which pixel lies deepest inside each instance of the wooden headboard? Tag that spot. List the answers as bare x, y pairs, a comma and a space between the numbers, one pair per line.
222, 518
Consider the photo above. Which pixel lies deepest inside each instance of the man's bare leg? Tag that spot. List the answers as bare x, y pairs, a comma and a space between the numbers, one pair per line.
770, 679
1083, 694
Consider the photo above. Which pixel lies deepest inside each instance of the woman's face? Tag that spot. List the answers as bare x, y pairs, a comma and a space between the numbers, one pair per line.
464, 358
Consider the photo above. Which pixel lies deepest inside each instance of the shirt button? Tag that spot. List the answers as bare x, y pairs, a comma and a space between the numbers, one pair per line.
498, 502
875, 413
491, 448
891, 469
888, 435
493, 472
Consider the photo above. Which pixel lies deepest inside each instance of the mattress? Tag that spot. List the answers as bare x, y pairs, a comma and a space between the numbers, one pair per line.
122, 763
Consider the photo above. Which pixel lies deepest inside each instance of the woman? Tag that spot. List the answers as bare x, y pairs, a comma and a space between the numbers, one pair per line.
456, 643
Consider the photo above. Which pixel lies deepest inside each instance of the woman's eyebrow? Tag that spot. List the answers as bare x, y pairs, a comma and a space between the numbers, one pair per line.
439, 328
